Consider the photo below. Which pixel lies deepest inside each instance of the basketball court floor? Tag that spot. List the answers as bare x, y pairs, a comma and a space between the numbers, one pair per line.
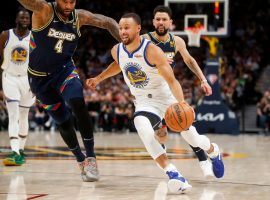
127, 172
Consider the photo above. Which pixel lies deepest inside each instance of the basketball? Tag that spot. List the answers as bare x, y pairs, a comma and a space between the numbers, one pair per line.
179, 116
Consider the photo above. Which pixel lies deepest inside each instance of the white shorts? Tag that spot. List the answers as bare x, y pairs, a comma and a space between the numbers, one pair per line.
156, 106
16, 88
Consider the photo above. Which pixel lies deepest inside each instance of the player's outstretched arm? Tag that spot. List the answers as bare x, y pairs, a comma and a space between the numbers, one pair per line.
34, 5
3, 39
98, 20
192, 64
112, 70
156, 56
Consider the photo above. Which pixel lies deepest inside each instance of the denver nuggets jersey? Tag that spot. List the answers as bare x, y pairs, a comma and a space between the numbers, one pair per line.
141, 77
52, 46
167, 47
16, 54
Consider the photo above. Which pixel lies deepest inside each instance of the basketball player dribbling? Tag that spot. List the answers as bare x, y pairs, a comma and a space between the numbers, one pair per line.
171, 45
53, 76
14, 49
151, 81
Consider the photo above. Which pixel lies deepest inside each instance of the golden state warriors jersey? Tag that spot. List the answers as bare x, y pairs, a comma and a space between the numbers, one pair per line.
16, 54
141, 77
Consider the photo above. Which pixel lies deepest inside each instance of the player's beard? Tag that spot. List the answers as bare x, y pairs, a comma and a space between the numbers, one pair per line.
164, 32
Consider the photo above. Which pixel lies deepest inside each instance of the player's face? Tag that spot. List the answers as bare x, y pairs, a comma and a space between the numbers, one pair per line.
162, 23
128, 30
65, 7
23, 19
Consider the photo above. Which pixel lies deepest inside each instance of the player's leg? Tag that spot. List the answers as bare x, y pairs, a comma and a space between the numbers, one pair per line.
12, 96
72, 92
58, 110
194, 139
205, 164
144, 122
161, 135
27, 100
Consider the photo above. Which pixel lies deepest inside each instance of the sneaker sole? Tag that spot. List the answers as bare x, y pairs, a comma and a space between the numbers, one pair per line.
89, 179
10, 163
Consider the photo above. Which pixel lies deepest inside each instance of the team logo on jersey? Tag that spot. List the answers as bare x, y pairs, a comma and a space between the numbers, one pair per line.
19, 55
136, 76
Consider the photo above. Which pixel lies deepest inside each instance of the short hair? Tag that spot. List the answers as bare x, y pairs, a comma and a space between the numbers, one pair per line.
22, 9
162, 8
134, 16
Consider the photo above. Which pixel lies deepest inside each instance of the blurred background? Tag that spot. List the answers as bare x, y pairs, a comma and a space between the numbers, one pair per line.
243, 68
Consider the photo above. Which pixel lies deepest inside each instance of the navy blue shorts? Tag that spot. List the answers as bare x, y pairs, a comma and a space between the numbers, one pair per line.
55, 90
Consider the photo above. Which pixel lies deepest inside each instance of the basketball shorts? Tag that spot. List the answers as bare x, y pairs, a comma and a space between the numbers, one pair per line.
154, 104
55, 90
16, 88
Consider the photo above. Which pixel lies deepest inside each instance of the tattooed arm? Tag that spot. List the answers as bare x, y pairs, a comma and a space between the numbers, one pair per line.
3, 39
42, 11
34, 5
98, 20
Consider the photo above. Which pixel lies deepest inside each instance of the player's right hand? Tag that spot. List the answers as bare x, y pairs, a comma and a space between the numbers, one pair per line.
92, 83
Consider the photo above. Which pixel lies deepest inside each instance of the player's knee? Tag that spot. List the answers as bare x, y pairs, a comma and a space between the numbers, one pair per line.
13, 111
144, 128
77, 105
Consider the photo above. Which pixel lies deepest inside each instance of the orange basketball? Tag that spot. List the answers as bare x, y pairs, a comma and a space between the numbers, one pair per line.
179, 116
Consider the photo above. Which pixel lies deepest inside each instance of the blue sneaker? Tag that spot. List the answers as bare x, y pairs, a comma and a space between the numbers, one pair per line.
218, 166
177, 183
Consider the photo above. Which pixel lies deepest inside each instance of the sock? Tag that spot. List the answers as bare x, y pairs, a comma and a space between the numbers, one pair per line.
199, 153
22, 141
14, 143
215, 152
78, 154
89, 147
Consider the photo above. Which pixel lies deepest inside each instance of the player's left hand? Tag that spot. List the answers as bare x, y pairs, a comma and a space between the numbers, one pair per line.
206, 88
92, 83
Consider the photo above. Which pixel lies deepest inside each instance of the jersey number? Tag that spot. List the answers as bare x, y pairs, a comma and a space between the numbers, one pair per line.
59, 46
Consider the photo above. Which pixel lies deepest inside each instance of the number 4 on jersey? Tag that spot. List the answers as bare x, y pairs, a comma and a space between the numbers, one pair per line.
59, 46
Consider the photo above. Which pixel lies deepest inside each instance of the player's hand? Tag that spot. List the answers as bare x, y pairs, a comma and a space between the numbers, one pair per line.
206, 88
170, 61
92, 83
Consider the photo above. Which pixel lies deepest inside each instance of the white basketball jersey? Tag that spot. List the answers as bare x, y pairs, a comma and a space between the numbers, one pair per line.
16, 54
141, 77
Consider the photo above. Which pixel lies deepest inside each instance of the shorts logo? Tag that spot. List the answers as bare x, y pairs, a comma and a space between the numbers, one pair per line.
19, 55
136, 76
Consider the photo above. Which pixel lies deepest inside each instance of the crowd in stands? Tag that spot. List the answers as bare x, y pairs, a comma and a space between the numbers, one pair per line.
245, 55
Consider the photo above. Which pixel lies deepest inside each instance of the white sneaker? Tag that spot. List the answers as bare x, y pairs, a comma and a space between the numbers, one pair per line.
207, 169
177, 183
89, 170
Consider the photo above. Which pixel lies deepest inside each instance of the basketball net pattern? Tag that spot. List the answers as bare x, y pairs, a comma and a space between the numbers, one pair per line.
194, 36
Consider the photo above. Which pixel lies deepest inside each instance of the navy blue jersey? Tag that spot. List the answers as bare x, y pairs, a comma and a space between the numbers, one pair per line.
53, 45
168, 47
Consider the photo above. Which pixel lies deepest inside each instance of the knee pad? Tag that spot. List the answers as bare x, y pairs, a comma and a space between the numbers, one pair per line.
13, 117
23, 121
193, 138
146, 133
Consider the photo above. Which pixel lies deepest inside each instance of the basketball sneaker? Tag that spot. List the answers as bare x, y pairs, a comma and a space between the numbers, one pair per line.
216, 159
89, 170
207, 168
13, 159
22, 155
177, 183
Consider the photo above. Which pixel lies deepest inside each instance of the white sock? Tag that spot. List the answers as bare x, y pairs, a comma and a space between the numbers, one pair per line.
171, 167
22, 141
14, 143
215, 152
